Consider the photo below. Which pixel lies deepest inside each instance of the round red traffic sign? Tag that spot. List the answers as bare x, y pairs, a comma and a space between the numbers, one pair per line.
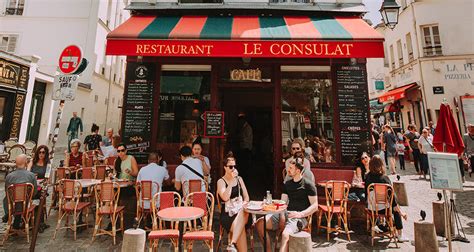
70, 59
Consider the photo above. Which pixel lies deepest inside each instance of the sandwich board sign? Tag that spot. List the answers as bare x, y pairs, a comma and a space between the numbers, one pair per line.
444, 171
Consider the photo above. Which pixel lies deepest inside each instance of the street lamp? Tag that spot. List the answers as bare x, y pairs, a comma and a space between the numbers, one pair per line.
389, 11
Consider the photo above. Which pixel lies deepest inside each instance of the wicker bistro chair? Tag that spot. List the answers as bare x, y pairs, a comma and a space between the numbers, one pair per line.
20, 205
166, 199
379, 210
10, 143
337, 193
85, 173
69, 204
101, 172
205, 201
107, 196
193, 185
15, 151
30, 147
144, 191
59, 174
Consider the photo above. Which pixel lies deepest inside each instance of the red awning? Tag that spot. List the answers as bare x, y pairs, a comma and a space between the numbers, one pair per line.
396, 94
246, 36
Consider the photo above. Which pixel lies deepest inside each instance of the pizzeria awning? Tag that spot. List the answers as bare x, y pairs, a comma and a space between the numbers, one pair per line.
397, 93
246, 36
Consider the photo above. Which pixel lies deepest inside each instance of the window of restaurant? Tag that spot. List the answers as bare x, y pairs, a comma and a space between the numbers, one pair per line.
184, 96
431, 41
308, 113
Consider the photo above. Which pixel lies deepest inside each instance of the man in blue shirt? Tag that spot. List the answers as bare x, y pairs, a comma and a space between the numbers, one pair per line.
75, 124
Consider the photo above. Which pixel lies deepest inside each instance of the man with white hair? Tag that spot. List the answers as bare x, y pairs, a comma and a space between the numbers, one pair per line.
107, 139
19, 176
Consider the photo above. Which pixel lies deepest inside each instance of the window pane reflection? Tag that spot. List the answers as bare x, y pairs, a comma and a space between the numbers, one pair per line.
307, 113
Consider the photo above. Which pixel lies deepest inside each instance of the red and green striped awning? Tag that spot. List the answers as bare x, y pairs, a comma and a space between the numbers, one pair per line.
246, 36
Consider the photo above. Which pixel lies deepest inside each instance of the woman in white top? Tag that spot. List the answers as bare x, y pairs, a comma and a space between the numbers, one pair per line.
206, 165
425, 144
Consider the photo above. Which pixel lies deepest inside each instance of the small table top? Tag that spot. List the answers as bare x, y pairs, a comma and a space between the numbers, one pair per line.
180, 213
325, 183
89, 182
264, 211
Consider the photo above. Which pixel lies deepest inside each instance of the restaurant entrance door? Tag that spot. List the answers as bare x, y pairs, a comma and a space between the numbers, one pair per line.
249, 127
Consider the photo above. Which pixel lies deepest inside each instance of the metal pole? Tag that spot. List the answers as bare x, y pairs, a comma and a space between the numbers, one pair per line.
44, 187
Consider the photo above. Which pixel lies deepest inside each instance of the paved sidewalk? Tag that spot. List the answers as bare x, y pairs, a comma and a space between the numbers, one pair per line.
420, 197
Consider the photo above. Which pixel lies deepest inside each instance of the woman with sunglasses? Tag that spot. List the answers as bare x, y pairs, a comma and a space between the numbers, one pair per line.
38, 166
39, 162
126, 166
364, 159
232, 193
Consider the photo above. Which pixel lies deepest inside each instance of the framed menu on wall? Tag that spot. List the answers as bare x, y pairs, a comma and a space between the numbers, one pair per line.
444, 171
353, 103
214, 124
138, 109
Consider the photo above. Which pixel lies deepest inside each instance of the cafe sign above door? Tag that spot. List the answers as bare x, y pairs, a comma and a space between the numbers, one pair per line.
13, 75
246, 75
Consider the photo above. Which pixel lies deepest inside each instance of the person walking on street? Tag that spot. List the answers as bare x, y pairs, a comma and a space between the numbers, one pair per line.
468, 140
425, 144
75, 125
389, 144
245, 146
412, 140
401, 153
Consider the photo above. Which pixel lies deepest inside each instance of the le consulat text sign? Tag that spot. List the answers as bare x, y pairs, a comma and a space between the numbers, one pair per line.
253, 49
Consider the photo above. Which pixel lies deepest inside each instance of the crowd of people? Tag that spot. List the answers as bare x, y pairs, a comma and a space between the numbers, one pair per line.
415, 145
299, 189
316, 149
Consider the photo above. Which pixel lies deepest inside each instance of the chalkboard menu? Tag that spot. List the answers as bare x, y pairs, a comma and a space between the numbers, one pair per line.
138, 109
214, 124
353, 102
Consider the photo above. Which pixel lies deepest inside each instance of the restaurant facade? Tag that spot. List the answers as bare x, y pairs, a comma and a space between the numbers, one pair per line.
290, 73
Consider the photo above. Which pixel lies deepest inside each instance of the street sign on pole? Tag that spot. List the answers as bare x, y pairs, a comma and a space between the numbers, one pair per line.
65, 86
70, 59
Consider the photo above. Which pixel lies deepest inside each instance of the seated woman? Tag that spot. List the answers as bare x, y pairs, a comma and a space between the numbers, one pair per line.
75, 159
232, 192
377, 175
38, 166
126, 166
364, 159
39, 162
357, 192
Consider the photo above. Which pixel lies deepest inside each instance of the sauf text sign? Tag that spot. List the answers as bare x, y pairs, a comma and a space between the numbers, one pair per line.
233, 48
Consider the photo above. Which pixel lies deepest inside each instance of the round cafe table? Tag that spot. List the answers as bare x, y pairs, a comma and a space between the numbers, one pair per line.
180, 214
86, 183
263, 211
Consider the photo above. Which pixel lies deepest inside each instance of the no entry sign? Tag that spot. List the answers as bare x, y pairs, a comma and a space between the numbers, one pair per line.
70, 59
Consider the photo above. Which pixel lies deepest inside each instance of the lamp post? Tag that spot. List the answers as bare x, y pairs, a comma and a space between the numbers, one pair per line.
390, 10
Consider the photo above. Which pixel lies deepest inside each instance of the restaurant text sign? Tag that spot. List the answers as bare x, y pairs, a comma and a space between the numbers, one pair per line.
231, 48
214, 124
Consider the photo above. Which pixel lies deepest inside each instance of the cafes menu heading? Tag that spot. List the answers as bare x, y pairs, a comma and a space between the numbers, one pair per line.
231, 48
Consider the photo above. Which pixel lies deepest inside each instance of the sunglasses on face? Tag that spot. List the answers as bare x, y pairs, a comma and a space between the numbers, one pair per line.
232, 166
297, 148
121, 150
42, 152
365, 157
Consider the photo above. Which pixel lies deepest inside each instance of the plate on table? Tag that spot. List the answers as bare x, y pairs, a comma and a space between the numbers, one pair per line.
255, 206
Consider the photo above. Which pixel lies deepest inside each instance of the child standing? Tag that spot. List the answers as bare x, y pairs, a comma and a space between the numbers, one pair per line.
401, 153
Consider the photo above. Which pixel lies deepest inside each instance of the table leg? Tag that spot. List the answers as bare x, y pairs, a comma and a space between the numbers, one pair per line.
265, 233
180, 238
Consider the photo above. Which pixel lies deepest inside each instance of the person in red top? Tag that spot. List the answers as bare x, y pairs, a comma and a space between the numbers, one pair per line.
75, 159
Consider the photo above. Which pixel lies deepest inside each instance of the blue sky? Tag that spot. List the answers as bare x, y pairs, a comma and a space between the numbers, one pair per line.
373, 6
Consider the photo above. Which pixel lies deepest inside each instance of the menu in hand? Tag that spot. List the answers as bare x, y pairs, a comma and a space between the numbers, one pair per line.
214, 124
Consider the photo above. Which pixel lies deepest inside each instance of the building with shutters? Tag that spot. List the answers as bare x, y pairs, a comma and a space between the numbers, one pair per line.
428, 58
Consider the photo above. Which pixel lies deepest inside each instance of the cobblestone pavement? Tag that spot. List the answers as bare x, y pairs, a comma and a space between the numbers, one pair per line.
420, 197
